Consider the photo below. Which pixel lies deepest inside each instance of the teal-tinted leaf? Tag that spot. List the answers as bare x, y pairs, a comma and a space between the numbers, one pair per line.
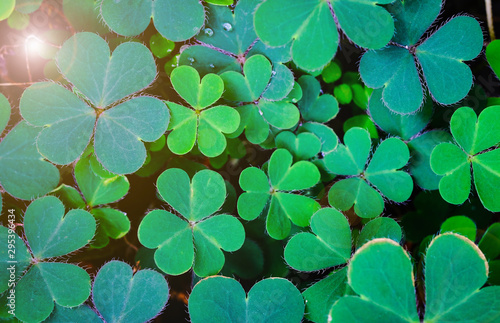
82, 313
382, 171
322, 295
420, 167
173, 238
50, 233
231, 32
18, 258
67, 122
256, 184
328, 138
393, 68
252, 122
121, 129
248, 88
210, 236
379, 228
350, 158
475, 134
23, 174
490, 242
303, 146
68, 285
313, 106
486, 170
212, 124
354, 191
285, 177
460, 224
184, 129
84, 15
85, 60
440, 52
28, 6
186, 82
315, 38
369, 33
493, 56
329, 246
175, 22
98, 190
223, 300
282, 82
4, 112
114, 223
368, 276
451, 162
455, 268
208, 60
122, 296
404, 126
196, 199
280, 114
413, 18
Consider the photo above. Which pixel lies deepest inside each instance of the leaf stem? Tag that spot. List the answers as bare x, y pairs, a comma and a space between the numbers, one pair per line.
489, 16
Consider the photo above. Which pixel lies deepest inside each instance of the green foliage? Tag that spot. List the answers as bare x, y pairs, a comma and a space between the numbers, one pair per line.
256, 90
49, 233
273, 193
382, 173
222, 299
199, 124
175, 21
455, 267
196, 237
474, 137
315, 38
440, 57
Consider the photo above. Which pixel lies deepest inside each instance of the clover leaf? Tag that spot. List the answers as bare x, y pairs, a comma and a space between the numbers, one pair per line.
455, 270
104, 80
257, 113
474, 137
330, 245
195, 237
382, 173
313, 106
199, 124
174, 20
49, 233
493, 56
409, 127
223, 299
315, 38
440, 57
302, 146
123, 296
276, 190
20, 160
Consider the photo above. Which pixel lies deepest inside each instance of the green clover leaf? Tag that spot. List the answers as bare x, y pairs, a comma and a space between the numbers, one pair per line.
194, 239
382, 172
474, 137
123, 296
201, 125
222, 299
313, 106
455, 271
175, 21
20, 160
493, 56
49, 233
259, 113
277, 190
440, 57
302, 146
104, 80
315, 38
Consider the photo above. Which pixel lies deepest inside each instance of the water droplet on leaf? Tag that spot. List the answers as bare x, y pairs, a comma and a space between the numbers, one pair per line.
208, 32
227, 26
212, 66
